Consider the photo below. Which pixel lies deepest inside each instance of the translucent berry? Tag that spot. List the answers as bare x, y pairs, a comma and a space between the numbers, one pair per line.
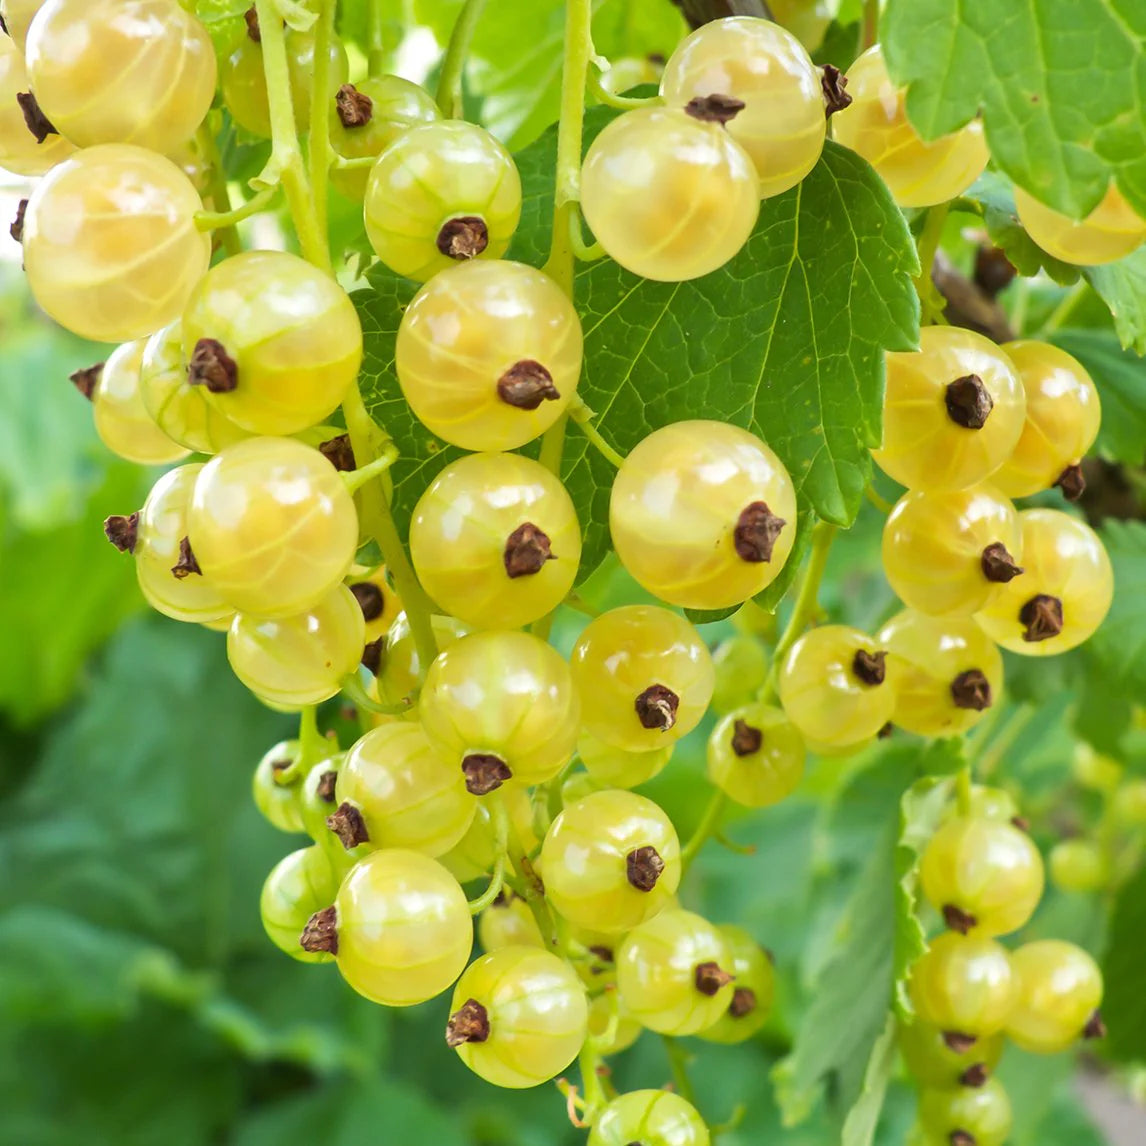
936, 1059
441, 194
650, 1118
611, 861
1064, 593
756, 755
986, 804
645, 677
380, 605
21, 152
518, 1016
402, 669
278, 802
1129, 803
1111, 231
1059, 990
964, 985
17, 16
298, 886
610, 767
703, 514
508, 922
489, 354
318, 802
958, 1115
953, 412
495, 540
753, 988
1079, 866
668, 196
1095, 770
610, 1027
741, 668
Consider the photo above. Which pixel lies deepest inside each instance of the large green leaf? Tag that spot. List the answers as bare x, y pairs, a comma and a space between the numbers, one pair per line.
1060, 85
1122, 286
1118, 650
1124, 1003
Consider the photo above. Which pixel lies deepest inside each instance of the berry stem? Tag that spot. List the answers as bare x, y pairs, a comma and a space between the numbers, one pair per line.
881, 503
376, 36
610, 99
450, 95
583, 416
1065, 308
527, 884
1008, 732
357, 478
497, 880
320, 151
963, 790
679, 1059
226, 220
869, 28
589, 1062
582, 251
217, 191
928, 247
353, 690
709, 826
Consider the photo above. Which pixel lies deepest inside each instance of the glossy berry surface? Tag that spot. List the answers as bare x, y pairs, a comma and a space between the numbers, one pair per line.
302, 883
402, 669
741, 665
404, 931
948, 553
110, 244
508, 922
674, 973
1063, 415
440, 194
756, 755
669, 198
489, 354
875, 126
1078, 866
301, 659
474, 855
610, 1028
279, 803
164, 579
1064, 594
20, 152
406, 794
1111, 231
752, 993
950, 674
495, 540
122, 420
981, 1114
611, 767
964, 984
953, 412
18, 15
836, 688
1059, 990
273, 341
934, 1062
782, 124
703, 514
611, 861
272, 526
381, 606
645, 677
650, 1118
500, 702
984, 876
518, 1017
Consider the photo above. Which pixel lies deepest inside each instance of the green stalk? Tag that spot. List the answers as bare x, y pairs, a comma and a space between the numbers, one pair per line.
450, 97
217, 193
376, 61
321, 153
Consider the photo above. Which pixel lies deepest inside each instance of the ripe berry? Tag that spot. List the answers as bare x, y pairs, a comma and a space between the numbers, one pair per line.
151, 62
501, 705
1111, 231
441, 194
741, 666
948, 553
1063, 415
610, 767
645, 677
964, 985
110, 244
934, 1061
674, 973
489, 354
610, 1027
298, 886
399, 929
318, 802
1059, 990
1079, 866
508, 922
953, 411
495, 540
756, 756
962, 1115
17, 16
279, 803
1129, 803
649, 1118
20, 151
781, 124
984, 876
753, 988
838, 686
875, 126
611, 861
272, 526
1094, 770
668, 196
703, 514
518, 1016
273, 341
1062, 596
402, 670
473, 857
380, 605
950, 672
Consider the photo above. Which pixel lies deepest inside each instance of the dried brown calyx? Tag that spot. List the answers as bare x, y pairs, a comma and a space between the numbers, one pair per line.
87, 379
656, 707
969, 403
998, 565
643, 867
527, 550
37, 122
961, 1138
468, 1024
213, 367
16, 230
347, 824
971, 689
526, 384
1072, 482
1095, 1028
370, 599
464, 237
871, 668
604, 954
743, 1002
993, 270
745, 739
251, 16
340, 453
122, 532
321, 932
324, 789
710, 978
833, 83
1042, 616
484, 773
958, 1042
714, 108
975, 1075
1021, 822
756, 531
187, 565
355, 108
958, 919
372, 655
885, 731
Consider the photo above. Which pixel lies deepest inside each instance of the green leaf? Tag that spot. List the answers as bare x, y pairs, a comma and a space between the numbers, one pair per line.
1059, 84
1122, 286
1121, 381
1124, 1001
1118, 649
862, 1119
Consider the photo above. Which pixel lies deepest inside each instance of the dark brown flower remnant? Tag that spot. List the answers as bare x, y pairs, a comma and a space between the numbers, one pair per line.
369, 598
715, 108
745, 739
464, 237
959, 1042
743, 1002
347, 824
340, 453
526, 551
961, 1138
468, 1024
958, 919
324, 789
975, 1075
833, 83
35, 119
213, 367
526, 384
971, 689
756, 531
16, 230
969, 403
122, 531
372, 655
1021, 822
1072, 482
1042, 616
993, 270
86, 380
186, 565
355, 108
998, 565
484, 773
709, 978
643, 867
656, 707
871, 668
1095, 1028
321, 932
251, 16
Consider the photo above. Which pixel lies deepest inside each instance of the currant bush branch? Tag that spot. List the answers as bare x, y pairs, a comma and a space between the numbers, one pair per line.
320, 151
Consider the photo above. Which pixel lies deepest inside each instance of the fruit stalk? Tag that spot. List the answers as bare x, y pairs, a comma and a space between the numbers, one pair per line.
449, 94
321, 153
